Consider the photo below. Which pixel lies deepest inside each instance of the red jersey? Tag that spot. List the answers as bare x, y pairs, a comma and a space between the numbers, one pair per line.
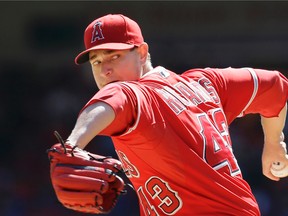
171, 134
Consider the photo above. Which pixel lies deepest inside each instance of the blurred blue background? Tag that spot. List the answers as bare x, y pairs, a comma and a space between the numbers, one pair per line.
42, 90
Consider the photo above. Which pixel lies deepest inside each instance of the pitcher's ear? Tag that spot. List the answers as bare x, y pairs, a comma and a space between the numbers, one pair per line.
143, 50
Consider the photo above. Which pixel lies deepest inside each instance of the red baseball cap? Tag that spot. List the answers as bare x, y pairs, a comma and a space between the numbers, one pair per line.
112, 31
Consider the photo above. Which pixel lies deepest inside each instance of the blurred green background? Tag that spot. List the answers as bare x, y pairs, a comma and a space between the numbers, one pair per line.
42, 90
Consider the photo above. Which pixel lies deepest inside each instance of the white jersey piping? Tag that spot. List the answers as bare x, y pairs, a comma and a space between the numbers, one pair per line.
255, 80
138, 112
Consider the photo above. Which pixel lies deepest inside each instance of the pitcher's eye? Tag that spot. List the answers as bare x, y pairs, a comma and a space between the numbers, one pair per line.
97, 62
114, 57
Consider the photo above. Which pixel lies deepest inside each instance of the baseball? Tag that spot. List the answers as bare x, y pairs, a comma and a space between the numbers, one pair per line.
279, 169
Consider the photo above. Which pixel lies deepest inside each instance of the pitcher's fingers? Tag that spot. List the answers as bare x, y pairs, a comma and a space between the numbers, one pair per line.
80, 183
89, 171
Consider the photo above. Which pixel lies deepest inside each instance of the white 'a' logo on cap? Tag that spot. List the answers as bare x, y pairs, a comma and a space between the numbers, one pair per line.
97, 32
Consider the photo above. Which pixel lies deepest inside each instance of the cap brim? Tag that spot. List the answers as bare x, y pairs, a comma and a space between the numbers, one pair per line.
84, 56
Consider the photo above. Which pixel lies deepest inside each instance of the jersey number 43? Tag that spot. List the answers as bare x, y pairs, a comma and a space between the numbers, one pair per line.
217, 149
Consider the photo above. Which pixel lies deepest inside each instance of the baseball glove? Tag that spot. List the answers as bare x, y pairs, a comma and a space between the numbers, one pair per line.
82, 181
